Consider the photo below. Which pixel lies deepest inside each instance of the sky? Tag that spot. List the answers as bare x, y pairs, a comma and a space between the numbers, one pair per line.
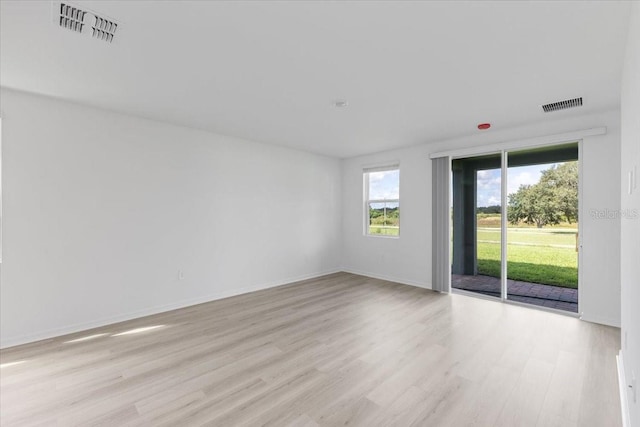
489, 182
384, 185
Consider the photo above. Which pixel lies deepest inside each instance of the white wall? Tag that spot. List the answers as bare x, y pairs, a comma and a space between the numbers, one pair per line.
101, 210
630, 227
408, 259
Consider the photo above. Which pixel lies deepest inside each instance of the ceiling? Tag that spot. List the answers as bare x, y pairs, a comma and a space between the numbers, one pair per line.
412, 72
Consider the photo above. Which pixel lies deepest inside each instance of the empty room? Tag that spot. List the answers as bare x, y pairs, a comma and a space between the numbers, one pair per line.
319, 213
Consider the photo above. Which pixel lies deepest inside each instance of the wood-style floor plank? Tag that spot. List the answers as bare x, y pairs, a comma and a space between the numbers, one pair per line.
337, 350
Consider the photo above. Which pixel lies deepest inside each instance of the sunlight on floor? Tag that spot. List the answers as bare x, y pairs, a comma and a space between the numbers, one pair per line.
7, 365
138, 330
87, 338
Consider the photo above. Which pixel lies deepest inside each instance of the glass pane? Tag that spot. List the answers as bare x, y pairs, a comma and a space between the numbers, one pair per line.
383, 205
542, 233
476, 219
384, 218
384, 185
489, 232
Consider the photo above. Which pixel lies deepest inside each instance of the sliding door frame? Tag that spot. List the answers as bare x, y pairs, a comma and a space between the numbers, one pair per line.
503, 224
504, 154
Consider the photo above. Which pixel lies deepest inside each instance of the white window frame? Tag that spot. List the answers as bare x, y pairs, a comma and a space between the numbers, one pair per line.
367, 201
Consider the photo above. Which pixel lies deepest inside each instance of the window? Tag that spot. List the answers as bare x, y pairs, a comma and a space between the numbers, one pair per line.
382, 201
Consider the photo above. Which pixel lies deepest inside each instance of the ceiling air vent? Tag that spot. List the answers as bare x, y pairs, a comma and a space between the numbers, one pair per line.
84, 21
103, 29
562, 105
71, 17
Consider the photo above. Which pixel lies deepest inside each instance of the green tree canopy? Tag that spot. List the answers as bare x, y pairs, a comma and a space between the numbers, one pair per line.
553, 198
563, 182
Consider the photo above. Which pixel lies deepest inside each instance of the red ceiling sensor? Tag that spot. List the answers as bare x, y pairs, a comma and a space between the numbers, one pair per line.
483, 126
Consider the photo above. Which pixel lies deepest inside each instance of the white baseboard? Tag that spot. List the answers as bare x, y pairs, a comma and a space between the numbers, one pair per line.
79, 327
389, 278
622, 384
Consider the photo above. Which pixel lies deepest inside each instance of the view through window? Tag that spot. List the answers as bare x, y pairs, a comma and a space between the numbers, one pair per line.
538, 263
382, 201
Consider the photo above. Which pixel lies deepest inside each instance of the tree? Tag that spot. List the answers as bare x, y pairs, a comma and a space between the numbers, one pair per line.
563, 180
533, 204
493, 209
384, 216
555, 196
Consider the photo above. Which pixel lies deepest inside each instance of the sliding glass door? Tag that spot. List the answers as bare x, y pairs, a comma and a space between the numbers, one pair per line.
476, 228
542, 233
514, 226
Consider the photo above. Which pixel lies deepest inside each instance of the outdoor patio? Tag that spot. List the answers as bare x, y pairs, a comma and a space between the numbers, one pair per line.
555, 297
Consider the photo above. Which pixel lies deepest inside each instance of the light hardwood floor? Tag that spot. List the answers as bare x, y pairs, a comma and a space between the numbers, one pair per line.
337, 350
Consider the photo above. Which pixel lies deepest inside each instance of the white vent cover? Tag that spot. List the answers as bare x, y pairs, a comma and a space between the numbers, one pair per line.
83, 21
71, 17
104, 29
562, 105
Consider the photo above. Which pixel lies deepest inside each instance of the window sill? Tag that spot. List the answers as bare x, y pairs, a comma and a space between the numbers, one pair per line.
380, 236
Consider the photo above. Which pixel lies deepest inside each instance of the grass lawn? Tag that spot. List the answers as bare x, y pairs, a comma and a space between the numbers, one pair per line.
537, 237
384, 230
545, 256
